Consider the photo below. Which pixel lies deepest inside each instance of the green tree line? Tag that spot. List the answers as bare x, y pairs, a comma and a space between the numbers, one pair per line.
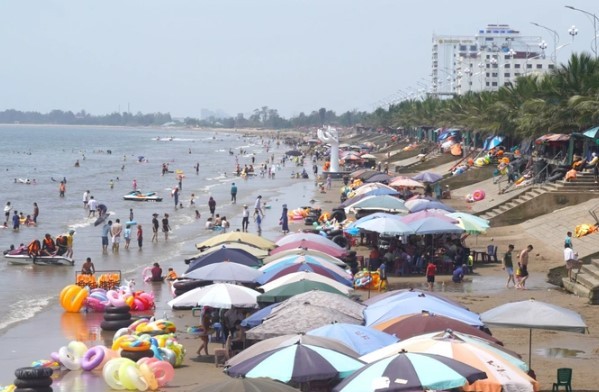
564, 100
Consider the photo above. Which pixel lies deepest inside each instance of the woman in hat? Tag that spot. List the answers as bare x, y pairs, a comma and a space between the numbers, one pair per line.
284, 221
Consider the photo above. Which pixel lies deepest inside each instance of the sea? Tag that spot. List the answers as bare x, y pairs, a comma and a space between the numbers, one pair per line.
45, 155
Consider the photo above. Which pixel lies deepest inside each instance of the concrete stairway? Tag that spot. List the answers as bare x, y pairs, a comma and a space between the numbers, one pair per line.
585, 182
518, 199
586, 283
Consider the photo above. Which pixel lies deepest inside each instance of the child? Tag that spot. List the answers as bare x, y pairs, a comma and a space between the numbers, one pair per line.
127, 235
171, 275
258, 220
192, 200
140, 236
431, 270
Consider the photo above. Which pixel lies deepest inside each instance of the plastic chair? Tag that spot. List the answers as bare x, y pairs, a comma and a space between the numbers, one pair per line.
222, 355
564, 378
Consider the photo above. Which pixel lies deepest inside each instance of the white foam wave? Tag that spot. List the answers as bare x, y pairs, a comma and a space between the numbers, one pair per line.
23, 310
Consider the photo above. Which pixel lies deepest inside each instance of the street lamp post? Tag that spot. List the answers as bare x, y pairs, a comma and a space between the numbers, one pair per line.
555, 40
573, 31
595, 20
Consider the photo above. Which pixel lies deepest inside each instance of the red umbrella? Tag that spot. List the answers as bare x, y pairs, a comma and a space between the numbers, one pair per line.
407, 326
335, 251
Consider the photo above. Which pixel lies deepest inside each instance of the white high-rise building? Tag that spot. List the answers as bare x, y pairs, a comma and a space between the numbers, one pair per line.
497, 55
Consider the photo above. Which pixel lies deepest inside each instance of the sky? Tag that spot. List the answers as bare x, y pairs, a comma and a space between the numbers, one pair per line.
180, 56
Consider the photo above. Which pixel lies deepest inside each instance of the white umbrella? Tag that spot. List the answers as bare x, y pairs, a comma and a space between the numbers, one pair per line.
305, 275
259, 253
219, 295
225, 271
386, 225
380, 203
369, 187
533, 314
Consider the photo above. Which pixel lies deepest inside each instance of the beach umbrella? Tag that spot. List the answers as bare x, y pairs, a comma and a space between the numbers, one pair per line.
406, 371
427, 177
233, 255
358, 173
296, 237
379, 177
294, 153
531, 314
298, 363
361, 339
354, 199
381, 203
286, 341
325, 270
381, 192
592, 133
504, 371
225, 271
416, 200
324, 299
335, 251
306, 275
260, 384
295, 317
304, 252
351, 156
218, 295
405, 182
374, 216
410, 325
310, 259
288, 290
368, 156
393, 293
237, 236
386, 225
257, 252
470, 223
377, 313
258, 316
432, 204
370, 186
432, 213
434, 226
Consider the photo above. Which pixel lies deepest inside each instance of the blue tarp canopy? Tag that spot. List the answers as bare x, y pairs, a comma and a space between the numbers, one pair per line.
492, 142
450, 132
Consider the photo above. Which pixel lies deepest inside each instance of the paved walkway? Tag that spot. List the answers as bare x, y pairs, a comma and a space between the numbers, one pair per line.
492, 199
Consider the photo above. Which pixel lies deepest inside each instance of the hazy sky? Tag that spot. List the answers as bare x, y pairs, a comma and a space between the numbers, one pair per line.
179, 56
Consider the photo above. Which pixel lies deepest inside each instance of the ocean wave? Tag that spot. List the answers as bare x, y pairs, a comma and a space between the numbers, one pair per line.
23, 310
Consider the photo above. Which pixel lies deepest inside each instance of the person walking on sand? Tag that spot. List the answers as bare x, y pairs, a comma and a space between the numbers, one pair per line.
245, 218
116, 230
284, 221
508, 266
155, 227
212, 205
571, 260
258, 220
165, 226
329, 182
205, 323
140, 236
431, 271
523, 265
258, 204
233, 193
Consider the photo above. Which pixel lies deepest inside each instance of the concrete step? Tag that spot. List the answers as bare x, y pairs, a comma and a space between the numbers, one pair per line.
595, 262
588, 281
581, 291
591, 270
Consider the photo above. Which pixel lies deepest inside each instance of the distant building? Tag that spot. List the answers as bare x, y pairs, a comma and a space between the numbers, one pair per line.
495, 56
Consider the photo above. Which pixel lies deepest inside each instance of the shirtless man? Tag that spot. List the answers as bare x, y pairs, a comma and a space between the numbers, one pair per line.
115, 232
523, 264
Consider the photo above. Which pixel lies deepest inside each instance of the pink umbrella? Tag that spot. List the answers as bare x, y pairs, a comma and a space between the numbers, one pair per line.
405, 182
433, 213
296, 237
335, 251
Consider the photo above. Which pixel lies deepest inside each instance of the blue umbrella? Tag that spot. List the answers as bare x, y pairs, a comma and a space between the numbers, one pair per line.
386, 225
257, 317
373, 216
427, 177
381, 192
287, 268
238, 256
593, 133
434, 226
433, 204
352, 200
375, 314
411, 372
298, 363
361, 339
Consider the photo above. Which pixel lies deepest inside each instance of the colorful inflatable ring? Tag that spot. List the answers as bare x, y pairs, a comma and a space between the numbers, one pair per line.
115, 298
72, 298
131, 343
147, 375
110, 372
71, 354
131, 378
96, 357
163, 371
95, 304
478, 195
146, 274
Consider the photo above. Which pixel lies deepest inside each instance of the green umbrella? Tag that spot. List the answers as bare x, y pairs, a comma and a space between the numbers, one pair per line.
286, 291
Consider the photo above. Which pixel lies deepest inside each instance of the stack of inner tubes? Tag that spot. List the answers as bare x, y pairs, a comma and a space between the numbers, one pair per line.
33, 379
116, 317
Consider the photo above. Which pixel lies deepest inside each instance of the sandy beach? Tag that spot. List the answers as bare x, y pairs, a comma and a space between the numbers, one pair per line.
481, 291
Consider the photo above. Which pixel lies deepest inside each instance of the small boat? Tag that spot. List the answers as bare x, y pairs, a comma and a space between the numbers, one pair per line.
140, 196
25, 259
